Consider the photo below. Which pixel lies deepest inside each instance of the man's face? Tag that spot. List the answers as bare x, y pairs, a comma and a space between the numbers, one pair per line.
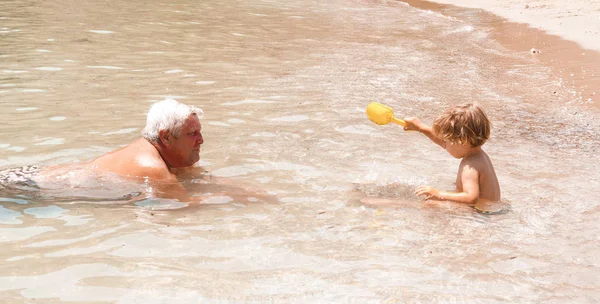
186, 147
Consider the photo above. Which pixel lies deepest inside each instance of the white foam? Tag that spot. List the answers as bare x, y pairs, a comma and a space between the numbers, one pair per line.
122, 131
292, 118
264, 180
173, 71
205, 82
16, 148
462, 29
264, 134
51, 141
236, 120
104, 32
2, 146
26, 109
218, 123
425, 98
168, 96
32, 90
215, 200
237, 34
18, 258
57, 118
107, 67
51, 69
13, 71
42, 51
247, 101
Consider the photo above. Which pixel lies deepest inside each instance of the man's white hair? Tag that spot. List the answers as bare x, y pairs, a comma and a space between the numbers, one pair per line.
167, 115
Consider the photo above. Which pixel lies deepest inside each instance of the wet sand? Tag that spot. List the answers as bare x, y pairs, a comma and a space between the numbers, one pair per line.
575, 20
563, 35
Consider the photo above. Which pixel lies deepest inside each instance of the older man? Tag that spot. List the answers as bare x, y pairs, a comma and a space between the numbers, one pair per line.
170, 141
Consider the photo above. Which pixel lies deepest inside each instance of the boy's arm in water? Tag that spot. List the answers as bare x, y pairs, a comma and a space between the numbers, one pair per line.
469, 194
414, 124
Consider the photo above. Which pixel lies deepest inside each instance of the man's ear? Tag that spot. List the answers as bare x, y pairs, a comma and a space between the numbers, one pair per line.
165, 137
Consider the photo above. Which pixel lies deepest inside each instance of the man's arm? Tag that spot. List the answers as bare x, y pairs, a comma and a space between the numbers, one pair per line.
203, 186
164, 184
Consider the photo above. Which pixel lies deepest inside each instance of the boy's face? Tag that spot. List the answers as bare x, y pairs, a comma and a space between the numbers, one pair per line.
455, 149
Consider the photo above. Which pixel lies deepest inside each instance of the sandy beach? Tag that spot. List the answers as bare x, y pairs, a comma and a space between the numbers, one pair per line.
575, 20
563, 35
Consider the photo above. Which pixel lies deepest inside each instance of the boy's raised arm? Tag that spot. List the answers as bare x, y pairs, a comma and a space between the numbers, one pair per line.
414, 124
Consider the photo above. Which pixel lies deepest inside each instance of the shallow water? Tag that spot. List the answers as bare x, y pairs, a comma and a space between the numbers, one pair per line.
284, 87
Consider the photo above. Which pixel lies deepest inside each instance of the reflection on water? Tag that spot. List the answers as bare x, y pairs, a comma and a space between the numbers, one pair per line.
284, 87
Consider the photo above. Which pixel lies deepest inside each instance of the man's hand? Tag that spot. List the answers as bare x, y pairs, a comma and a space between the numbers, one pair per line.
429, 192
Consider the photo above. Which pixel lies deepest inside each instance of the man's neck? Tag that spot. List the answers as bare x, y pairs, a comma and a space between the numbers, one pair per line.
160, 149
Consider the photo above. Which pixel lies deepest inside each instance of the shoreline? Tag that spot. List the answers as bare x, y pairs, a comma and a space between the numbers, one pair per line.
574, 20
568, 45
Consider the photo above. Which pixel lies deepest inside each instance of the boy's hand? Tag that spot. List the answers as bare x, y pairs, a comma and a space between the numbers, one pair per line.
413, 124
429, 192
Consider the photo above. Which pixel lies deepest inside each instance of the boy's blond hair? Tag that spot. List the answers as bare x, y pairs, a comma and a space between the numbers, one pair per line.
465, 123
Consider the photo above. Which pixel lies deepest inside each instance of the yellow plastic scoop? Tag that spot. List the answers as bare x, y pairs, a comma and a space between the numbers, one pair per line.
382, 114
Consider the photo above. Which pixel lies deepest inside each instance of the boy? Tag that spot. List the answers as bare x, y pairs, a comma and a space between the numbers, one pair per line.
462, 130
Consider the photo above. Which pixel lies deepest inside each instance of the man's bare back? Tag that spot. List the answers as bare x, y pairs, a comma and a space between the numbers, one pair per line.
139, 159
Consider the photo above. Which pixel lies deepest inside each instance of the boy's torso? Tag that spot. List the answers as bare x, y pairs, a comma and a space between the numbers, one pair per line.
489, 188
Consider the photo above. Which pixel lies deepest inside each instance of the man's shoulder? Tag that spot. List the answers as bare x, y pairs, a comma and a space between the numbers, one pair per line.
151, 166
139, 159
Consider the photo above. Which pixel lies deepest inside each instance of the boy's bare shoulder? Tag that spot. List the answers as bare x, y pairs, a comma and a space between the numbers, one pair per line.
475, 157
478, 161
